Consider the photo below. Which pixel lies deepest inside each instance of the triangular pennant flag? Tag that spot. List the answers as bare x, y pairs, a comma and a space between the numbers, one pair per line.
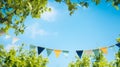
118, 45
57, 53
79, 53
32, 46
104, 50
15, 39
49, 51
65, 53
88, 52
111, 46
7, 36
40, 49
96, 52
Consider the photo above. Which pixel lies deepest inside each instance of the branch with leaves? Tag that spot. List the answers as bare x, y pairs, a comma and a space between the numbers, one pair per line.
14, 12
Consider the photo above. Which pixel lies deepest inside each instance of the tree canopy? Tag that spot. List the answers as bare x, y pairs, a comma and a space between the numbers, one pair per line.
14, 12
21, 57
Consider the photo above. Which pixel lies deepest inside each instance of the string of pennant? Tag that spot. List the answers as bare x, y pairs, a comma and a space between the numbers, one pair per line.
66, 52
78, 52
49, 51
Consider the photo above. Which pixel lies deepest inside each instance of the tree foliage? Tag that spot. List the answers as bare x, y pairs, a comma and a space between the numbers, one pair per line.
97, 61
84, 62
117, 61
21, 58
14, 12
100, 61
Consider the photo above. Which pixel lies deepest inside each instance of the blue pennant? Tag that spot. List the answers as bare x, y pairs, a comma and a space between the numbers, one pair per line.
118, 45
79, 53
40, 49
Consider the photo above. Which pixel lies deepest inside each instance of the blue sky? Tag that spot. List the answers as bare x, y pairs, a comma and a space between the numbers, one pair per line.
87, 28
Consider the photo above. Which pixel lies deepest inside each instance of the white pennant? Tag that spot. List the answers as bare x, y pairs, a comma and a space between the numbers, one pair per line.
65, 53
15, 39
88, 52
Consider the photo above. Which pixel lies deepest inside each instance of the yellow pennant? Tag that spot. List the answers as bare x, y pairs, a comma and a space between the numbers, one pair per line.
104, 50
57, 53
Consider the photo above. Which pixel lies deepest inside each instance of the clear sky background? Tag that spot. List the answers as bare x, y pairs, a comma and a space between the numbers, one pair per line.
87, 28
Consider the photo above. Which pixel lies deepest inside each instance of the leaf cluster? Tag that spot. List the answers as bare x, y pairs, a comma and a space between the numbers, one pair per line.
14, 12
21, 58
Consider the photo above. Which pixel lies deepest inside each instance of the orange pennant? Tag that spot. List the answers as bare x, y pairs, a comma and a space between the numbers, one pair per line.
104, 50
57, 53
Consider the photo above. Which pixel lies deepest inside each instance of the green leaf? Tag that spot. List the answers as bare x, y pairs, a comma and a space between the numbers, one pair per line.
58, 1
118, 40
84, 4
116, 7
96, 1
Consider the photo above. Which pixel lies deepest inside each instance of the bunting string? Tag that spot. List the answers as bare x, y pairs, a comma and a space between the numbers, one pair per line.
57, 52
79, 52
